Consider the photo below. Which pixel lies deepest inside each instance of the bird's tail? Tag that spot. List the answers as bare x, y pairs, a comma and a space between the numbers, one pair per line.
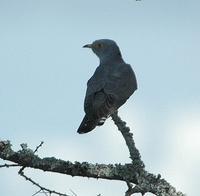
86, 125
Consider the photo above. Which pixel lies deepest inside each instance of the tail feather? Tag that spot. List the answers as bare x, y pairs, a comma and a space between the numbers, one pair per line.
86, 125
101, 121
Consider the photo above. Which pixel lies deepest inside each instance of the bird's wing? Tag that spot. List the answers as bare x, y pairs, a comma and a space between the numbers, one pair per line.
106, 92
121, 83
97, 102
96, 82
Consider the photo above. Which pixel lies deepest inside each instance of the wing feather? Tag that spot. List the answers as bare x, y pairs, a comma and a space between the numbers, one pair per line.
108, 89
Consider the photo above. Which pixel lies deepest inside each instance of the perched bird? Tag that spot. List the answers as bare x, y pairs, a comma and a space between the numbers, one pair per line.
112, 83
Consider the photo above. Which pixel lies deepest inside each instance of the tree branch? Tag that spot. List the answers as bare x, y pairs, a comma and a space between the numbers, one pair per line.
27, 158
146, 182
130, 173
128, 137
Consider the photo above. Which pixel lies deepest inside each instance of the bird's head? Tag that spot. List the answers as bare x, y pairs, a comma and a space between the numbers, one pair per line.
105, 49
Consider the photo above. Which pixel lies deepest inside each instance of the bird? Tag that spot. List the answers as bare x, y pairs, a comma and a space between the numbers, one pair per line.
112, 83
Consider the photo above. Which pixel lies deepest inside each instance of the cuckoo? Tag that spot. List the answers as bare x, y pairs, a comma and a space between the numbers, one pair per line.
112, 83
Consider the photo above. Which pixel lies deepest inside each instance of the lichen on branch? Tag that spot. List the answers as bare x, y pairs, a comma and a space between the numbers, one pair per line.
130, 173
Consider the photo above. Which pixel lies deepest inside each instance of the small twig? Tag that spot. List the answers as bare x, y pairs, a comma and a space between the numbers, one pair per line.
25, 147
40, 145
41, 191
9, 165
130, 187
135, 189
39, 186
46, 193
73, 192
37, 192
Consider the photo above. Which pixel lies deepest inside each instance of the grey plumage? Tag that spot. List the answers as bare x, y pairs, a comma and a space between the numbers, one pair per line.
112, 83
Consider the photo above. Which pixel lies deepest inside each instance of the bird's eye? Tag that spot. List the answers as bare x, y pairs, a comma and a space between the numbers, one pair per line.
99, 45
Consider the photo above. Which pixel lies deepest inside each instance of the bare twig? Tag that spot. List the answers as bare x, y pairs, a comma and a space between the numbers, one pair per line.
129, 189
36, 193
40, 145
41, 188
9, 165
73, 192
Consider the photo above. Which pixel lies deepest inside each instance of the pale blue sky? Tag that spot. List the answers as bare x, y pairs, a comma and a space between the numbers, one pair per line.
43, 75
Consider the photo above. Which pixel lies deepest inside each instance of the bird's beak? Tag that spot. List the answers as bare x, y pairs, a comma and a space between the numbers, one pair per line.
87, 46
